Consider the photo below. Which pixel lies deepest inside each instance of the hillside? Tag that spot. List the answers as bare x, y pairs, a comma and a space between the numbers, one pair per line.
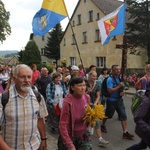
3, 53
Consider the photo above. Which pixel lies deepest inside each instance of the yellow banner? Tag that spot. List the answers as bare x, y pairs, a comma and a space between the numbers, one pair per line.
57, 6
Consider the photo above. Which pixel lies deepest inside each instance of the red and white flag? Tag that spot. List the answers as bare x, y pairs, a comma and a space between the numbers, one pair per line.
112, 24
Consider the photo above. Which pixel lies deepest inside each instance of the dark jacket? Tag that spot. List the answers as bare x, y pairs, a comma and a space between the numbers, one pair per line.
142, 119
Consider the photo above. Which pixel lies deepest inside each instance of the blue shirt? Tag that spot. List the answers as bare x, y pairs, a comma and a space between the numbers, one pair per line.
112, 83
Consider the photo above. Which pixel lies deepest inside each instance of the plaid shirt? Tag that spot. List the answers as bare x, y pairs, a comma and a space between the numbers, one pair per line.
19, 127
50, 91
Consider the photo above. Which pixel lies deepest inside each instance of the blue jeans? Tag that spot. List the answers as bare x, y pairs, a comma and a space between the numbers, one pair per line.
139, 146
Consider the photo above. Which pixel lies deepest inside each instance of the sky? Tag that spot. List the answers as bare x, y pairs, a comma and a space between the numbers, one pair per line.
21, 15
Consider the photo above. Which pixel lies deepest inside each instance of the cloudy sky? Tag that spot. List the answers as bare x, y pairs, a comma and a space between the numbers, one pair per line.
22, 13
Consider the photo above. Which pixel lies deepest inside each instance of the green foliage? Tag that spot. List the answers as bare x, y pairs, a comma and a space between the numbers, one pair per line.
20, 55
64, 62
1, 60
5, 28
138, 25
31, 54
52, 49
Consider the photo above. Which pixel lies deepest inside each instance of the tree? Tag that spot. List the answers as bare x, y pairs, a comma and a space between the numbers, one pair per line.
138, 25
31, 54
20, 53
5, 28
52, 49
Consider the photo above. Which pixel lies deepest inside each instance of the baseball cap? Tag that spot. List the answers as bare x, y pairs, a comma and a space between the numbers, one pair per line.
74, 67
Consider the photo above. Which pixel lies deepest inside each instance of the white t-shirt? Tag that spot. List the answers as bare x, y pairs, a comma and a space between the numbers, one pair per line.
4, 78
58, 93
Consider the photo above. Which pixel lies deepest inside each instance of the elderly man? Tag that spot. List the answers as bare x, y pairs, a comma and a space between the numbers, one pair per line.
43, 81
22, 120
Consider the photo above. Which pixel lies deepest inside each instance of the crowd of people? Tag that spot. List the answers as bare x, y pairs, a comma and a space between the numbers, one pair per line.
64, 95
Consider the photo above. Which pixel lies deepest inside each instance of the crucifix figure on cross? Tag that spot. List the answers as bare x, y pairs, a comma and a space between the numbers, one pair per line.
124, 48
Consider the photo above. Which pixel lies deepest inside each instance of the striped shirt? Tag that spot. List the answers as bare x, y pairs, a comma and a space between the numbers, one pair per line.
19, 128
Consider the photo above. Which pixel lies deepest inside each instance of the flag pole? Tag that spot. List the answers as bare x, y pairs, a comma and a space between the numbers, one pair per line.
75, 40
77, 46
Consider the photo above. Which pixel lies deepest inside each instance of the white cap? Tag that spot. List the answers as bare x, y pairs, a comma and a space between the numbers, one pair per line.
74, 67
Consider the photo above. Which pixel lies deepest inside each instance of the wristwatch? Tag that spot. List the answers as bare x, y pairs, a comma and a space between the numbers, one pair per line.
43, 139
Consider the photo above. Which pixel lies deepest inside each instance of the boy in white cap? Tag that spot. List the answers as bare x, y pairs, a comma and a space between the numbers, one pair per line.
74, 72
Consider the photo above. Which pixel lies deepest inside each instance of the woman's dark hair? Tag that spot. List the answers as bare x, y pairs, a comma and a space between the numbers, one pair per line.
55, 75
73, 81
104, 69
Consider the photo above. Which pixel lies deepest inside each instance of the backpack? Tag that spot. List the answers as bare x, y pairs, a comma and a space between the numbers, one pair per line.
99, 83
138, 84
104, 91
5, 97
136, 100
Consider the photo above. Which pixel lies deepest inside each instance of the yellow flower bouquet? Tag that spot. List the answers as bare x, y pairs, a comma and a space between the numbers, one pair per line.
93, 114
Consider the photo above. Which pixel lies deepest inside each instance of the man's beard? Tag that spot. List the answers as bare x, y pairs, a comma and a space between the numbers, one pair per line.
24, 87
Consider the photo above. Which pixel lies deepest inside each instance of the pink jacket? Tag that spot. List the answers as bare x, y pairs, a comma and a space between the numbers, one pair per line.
67, 119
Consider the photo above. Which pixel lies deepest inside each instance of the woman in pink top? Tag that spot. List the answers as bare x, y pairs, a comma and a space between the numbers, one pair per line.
81, 71
35, 73
74, 133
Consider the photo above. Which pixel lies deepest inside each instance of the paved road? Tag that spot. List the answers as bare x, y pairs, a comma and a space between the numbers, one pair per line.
114, 135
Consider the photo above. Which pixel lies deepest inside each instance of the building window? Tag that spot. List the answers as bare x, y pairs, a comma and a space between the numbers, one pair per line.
42, 38
84, 37
73, 39
114, 38
90, 15
79, 19
72, 61
42, 51
64, 41
98, 17
101, 62
73, 23
97, 36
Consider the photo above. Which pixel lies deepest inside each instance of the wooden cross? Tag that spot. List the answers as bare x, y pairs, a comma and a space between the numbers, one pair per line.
124, 48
